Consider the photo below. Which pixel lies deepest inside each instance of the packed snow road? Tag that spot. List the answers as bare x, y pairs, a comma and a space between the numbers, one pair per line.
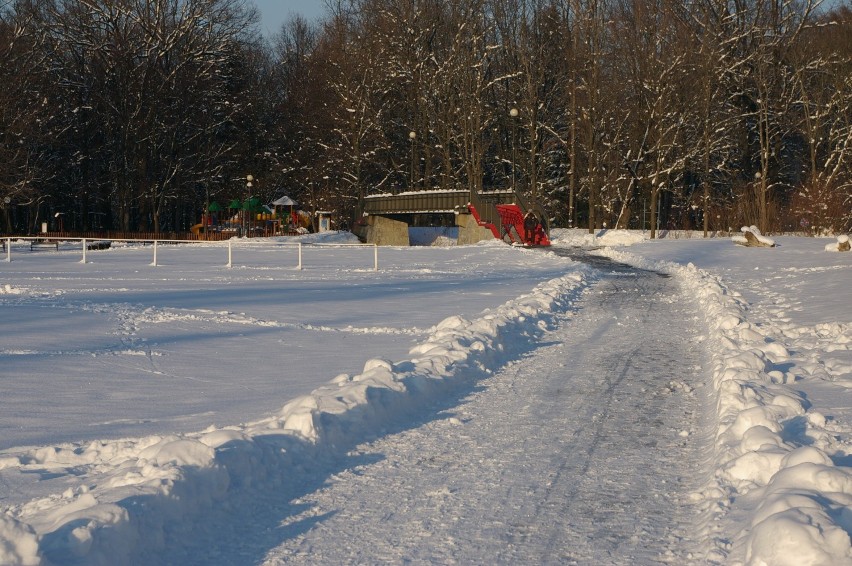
585, 451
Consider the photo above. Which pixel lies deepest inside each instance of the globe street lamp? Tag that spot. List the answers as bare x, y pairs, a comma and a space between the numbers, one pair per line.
6, 202
412, 135
514, 114
247, 207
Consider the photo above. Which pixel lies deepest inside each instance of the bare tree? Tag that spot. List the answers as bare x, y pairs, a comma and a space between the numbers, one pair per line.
156, 77
823, 81
653, 36
25, 113
768, 79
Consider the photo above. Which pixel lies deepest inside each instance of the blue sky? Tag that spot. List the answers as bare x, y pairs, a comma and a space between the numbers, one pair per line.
276, 12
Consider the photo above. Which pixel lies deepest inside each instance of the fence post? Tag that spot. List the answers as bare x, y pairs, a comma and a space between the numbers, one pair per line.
229, 254
84, 251
155, 254
375, 257
8, 249
300, 256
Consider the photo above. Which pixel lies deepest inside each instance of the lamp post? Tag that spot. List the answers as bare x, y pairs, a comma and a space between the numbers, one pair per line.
205, 218
58, 217
412, 135
326, 199
513, 113
6, 202
247, 207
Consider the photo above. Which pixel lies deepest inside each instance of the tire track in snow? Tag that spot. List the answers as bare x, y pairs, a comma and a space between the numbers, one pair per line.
584, 452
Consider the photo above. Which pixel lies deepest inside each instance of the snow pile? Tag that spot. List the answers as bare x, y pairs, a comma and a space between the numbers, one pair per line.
433, 235
754, 231
18, 543
137, 491
608, 238
772, 450
343, 411
9, 290
330, 237
842, 244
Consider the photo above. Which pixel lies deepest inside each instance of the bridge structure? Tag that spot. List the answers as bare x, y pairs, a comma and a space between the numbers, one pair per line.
478, 215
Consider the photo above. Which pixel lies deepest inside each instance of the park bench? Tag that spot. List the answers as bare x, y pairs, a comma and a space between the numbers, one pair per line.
35, 244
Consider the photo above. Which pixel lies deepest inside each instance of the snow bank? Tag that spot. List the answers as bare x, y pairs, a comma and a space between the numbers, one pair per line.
608, 238
771, 459
330, 237
433, 235
18, 542
133, 493
349, 406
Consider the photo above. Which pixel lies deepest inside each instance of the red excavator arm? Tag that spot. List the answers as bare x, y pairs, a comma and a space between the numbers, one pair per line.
513, 225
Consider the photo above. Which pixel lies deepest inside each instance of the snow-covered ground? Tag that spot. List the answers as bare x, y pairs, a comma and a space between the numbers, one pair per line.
146, 407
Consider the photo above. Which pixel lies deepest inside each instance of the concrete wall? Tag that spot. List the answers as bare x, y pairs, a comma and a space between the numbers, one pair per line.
386, 232
470, 231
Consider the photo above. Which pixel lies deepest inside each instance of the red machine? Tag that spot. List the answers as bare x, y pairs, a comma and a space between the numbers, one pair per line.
513, 227
512, 220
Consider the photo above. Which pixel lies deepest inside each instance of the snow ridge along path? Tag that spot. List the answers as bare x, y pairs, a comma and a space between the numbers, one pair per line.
585, 451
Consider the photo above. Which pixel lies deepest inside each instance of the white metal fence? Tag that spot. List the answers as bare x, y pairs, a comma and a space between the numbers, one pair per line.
87, 245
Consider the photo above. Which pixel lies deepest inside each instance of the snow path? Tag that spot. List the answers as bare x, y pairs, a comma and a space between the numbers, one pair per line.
584, 452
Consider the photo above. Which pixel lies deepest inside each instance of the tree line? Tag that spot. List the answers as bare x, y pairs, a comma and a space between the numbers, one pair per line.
707, 114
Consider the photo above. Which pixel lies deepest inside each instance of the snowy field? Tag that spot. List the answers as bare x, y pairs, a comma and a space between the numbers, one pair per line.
139, 400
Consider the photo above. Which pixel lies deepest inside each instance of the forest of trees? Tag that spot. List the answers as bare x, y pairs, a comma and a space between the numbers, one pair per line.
700, 114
